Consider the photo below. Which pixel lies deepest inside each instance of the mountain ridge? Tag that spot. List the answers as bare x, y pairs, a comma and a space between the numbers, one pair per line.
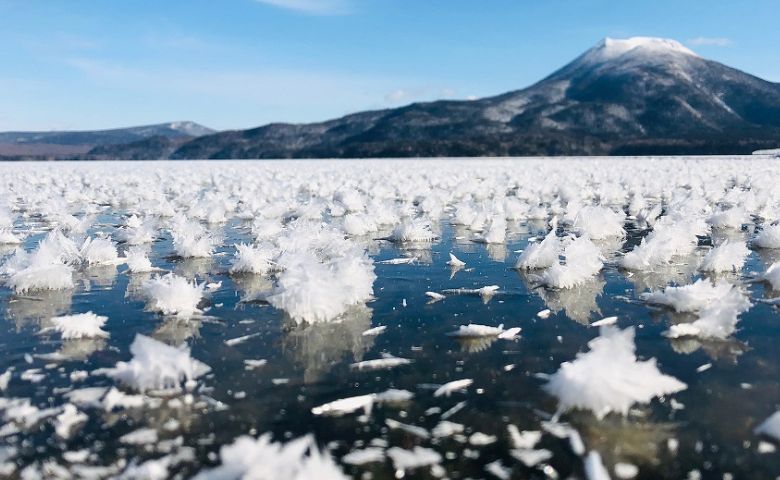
641, 95
77, 143
636, 96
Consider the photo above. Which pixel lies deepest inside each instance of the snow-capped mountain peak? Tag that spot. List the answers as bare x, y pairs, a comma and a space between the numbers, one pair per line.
612, 49
190, 128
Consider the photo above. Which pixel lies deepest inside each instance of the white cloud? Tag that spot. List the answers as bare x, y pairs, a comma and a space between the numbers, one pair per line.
397, 96
413, 94
176, 41
711, 42
312, 7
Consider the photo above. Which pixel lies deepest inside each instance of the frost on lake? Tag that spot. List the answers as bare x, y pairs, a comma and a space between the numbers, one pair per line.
390, 319
157, 366
80, 325
609, 377
263, 459
173, 295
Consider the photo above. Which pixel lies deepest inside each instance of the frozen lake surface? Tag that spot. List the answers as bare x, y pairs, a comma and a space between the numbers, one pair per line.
482, 318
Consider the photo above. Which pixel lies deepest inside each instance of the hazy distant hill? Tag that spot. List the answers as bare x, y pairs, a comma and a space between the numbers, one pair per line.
78, 143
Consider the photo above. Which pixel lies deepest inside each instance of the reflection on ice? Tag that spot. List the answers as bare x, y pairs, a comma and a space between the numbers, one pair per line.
680, 272
253, 288
81, 348
194, 268
496, 251
634, 440
176, 331
728, 350
99, 276
33, 307
579, 304
475, 344
320, 346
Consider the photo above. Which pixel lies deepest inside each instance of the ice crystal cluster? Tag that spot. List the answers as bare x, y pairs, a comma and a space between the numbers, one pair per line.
206, 319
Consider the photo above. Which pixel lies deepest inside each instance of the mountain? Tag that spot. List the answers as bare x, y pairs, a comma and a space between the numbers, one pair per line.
79, 143
636, 96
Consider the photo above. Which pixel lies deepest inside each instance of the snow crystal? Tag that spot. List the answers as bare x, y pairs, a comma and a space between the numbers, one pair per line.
716, 320
311, 291
251, 259
398, 261
609, 378
731, 218
486, 291
494, 232
142, 436
5, 378
447, 429
726, 257
604, 321
583, 261
137, 231
7, 237
480, 439
414, 458
475, 330
410, 429
434, 296
544, 313
531, 457
690, 298
173, 295
46, 268
99, 251
156, 469
416, 230
266, 228
263, 459
625, 471
367, 455
138, 261
455, 261
157, 366
381, 363
358, 224
510, 333
768, 237
498, 470
191, 240
525, 439
599, 222
594, 467
68, 420
86, 397
770, 426
540, 255
347, 405
117, 399
450, 387
772, 275
372, 332
81, 325
669, 239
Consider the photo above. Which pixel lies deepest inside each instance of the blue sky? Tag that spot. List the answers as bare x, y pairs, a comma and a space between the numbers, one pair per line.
84, 64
